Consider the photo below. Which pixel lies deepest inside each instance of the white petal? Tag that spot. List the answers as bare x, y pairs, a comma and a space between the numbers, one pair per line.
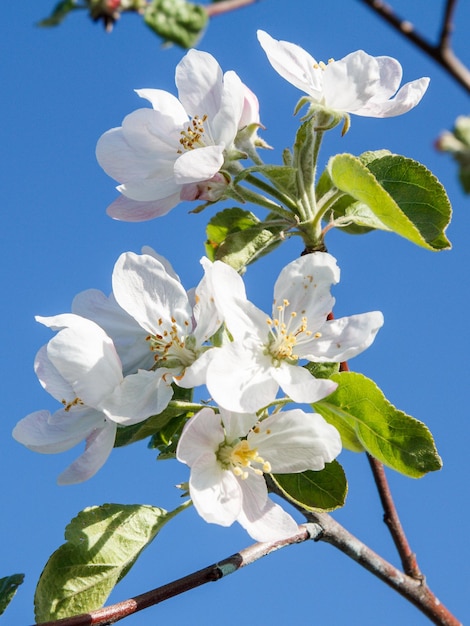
215, 492
128, 210
300, 385
202, 434
138, 397
98, 447
345, 337
407, 98
150, 189
86, 357
261, 518
48, 434
206, 314
295, 441
127, 335
198, 164
50, 379
142, 287
305, 283
195, 374
240, 380
165, 262
166, 103
224, 126
237, 425
293, 63
199, 81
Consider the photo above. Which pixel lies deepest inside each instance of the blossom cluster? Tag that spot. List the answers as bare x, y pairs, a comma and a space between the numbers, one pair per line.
117, 360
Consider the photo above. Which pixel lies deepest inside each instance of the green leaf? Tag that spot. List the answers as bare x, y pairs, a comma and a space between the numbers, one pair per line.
103, 543
283, 177
315, 491
403, 196
176, 21
391, 436
59, 13
322, 370
237, 237
8, 587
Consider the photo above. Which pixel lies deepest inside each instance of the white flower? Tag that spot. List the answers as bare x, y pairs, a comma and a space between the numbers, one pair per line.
229, 453
246, 374
81, 369
176, 150
176, 330
359, 83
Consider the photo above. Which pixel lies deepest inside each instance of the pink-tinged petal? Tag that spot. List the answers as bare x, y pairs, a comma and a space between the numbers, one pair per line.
149, 189
48, 434
199, 81
344, 338
250, 111
166, 103
198, 164
50, 379
127, 335
295, 441
305, 283
407, 98
98, 448
142, 287
202, 434
260, 517
215, 492
128, 210
86, 357
241, 380
300, 385
293, 63
138, 397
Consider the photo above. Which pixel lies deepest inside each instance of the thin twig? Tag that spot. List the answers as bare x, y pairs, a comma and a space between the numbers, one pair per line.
225, 6
442, 53
116, 612
391, 519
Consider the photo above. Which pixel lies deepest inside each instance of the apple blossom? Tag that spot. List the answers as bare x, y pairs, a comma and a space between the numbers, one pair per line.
81, 369
229, 453
246, 374
359, 83
176, 328
176, 150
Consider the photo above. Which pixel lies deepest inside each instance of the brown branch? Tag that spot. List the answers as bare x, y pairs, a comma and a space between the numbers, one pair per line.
224, 6
442, 53
391, 519
415, 591
116, 612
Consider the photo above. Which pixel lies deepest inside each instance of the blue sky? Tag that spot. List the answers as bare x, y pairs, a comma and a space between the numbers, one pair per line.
62, 88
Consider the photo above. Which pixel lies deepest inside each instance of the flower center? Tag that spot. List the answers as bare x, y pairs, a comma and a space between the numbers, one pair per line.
193, 136
240, 458
171, 347
286, 331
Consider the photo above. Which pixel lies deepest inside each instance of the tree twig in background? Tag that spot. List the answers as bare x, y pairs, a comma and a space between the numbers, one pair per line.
224, 6
441, 52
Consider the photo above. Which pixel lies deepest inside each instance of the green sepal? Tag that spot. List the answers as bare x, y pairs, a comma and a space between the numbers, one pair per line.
237, 237
8, 587
59, 13
322, 370
283, 177
126, 435
166, 439
394, 193
176, 21
359, 409
324, 490
102, 544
